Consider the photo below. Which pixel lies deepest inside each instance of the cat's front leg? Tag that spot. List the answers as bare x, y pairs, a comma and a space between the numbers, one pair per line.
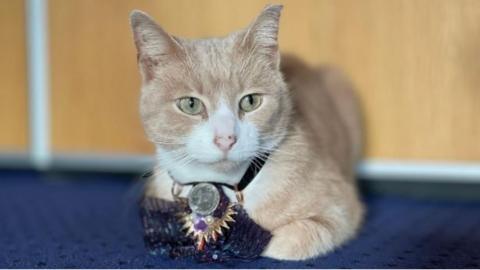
301, 239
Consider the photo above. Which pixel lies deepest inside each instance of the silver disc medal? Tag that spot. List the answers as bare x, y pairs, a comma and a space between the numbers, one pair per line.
203, 199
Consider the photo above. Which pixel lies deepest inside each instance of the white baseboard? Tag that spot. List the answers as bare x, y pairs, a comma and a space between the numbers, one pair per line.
433, 171
103, 162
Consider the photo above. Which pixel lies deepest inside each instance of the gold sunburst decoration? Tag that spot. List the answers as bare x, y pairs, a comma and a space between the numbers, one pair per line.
201, 223
204, 229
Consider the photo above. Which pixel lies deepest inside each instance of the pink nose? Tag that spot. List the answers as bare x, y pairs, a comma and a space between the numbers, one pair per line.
225, 143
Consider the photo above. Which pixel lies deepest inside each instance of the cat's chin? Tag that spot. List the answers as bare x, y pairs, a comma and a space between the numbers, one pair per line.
221, 165
225, 171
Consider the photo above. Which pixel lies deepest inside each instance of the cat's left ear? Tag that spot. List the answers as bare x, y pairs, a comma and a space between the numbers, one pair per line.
155, 47
262, 35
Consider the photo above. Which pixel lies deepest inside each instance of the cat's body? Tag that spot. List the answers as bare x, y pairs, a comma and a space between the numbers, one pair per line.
305, 193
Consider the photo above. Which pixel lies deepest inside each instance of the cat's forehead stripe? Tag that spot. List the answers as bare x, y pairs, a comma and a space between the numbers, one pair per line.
213, 63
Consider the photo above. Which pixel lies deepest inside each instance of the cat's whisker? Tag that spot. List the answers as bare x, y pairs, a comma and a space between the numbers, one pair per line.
279, 134
263, 157
292, 142
269, 150
280, 138
276, 150
178, 155
184, 163
167, 139
256, 165
175, 141
167, 143
179, 164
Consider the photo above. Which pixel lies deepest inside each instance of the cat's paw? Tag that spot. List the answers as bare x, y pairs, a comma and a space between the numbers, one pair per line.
300, 240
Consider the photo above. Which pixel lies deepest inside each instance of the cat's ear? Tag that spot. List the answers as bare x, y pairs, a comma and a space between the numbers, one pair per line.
154, 45
262, 35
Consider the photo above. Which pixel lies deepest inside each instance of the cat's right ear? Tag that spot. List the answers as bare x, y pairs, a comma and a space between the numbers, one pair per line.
154, 45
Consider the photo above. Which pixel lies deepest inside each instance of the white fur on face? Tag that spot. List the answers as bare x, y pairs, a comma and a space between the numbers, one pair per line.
203, 160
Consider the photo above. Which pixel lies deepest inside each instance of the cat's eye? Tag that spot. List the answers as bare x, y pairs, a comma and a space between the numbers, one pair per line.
190, 105
250, 102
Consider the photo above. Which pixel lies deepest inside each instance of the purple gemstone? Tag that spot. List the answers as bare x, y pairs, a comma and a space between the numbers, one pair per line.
200, 225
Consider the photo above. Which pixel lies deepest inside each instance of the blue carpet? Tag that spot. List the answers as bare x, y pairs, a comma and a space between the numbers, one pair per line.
75, 221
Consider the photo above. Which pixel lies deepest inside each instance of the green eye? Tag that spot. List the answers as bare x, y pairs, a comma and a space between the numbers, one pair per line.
190, 105
250, 102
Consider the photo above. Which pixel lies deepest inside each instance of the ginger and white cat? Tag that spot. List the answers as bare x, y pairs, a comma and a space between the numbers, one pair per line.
211, 105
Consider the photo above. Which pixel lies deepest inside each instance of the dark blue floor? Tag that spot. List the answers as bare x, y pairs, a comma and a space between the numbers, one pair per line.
74, 221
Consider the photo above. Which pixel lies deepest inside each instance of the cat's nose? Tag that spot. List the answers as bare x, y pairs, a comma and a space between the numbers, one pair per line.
225, 143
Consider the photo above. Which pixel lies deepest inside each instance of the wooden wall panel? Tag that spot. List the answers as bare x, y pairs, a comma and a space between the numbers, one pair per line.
416, 64
13, 86
95, 83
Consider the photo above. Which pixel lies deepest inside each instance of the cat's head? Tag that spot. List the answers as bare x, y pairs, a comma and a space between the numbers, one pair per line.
211, 105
